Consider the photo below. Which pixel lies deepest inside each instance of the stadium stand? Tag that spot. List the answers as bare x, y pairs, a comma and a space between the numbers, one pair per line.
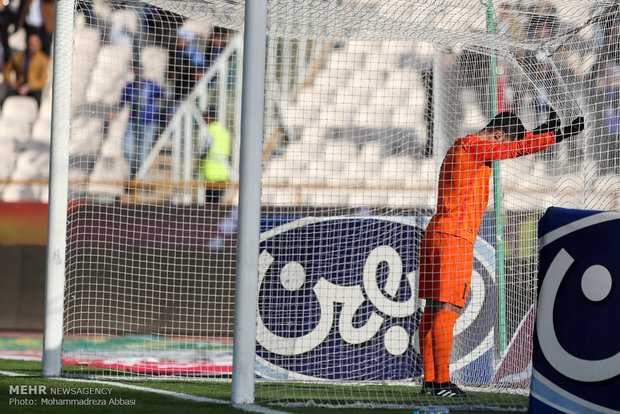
373, 100
379, 101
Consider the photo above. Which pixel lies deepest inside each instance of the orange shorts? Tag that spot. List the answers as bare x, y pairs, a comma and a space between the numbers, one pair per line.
446, 263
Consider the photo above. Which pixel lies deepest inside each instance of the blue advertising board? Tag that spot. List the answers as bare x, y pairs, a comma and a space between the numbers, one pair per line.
576, 351
338, 301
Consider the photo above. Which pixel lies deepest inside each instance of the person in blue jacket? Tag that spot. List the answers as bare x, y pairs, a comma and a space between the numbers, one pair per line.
146, 111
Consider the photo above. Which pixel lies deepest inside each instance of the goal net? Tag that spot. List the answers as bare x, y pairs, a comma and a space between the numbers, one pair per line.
363, 99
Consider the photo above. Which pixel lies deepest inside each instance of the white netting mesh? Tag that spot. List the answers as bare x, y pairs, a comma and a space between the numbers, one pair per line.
362, 100
150, 276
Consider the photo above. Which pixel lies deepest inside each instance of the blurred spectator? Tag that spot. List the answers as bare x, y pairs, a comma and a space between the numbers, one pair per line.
143, 96
550, 76
161, 25
121, 31
152, 24
185, 65
214, 156
603, 79
611, 122
37, 16
217, 43
541, 74
607, 40
7, 18
606, 29
509, 23
139, 39
26, 72
607, 142
543, 22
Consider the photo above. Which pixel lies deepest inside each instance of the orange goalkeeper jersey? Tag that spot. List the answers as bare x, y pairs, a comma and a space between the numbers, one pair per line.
464, 180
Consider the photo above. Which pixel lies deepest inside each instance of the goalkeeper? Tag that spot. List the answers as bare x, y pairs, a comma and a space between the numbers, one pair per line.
447, 250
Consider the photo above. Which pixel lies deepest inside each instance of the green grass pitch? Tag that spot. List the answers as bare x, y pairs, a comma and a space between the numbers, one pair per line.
143, 396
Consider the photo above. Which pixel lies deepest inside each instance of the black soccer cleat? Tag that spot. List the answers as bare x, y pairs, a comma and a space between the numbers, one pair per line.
448, 390
428, 388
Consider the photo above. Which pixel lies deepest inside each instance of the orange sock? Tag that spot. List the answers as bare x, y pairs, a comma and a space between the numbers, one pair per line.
426, 344
442, 332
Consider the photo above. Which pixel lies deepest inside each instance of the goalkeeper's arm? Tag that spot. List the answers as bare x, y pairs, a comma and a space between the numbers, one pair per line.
553, 125
568, 131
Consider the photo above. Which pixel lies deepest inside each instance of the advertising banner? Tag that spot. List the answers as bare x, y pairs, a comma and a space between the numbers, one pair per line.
576, 353
338, 301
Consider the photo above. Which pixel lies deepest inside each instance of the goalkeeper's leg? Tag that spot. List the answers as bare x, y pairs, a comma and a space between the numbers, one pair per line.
436, 338
426, 350
442, 332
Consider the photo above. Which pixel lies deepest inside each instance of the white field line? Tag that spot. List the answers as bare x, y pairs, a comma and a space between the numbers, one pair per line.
250, 408
12, 374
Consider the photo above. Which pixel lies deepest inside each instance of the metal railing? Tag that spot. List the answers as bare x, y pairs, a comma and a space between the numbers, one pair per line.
290, 64
219, 87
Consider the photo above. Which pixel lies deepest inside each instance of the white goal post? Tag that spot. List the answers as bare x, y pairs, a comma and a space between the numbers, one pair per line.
246, 295
58, 200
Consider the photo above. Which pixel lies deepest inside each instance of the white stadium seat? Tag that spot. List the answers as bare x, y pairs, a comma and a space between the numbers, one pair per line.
8, 155
42, 131
156, 63
85, 50
198, 28
45, 110
86, 136
19, 192
106, 177
19, 131
112, 145
304, 112
22, 109
110, 74
127, 18
32, 163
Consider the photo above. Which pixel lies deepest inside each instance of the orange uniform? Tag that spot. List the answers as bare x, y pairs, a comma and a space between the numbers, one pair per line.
446, 256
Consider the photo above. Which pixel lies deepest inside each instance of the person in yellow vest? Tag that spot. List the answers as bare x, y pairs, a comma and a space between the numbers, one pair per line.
215, 156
